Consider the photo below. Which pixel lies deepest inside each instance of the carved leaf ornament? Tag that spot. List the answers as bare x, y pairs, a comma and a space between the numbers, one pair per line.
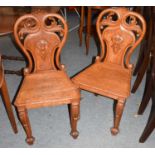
120, 31
41, 37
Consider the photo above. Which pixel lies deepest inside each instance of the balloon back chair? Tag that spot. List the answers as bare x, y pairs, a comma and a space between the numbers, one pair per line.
119, 31
41, 37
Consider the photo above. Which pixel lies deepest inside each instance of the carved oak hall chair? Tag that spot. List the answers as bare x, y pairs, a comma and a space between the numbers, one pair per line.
6, 98
119, 31
41, 37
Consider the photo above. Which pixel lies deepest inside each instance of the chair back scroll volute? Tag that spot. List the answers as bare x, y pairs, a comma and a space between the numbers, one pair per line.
41, 38
120, 31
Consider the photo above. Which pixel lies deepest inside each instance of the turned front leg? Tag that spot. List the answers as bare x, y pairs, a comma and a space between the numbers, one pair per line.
75, 110
23, 115
118, 114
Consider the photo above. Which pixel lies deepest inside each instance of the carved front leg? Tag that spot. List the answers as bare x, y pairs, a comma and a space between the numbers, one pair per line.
26, 125
118, 114
75, 110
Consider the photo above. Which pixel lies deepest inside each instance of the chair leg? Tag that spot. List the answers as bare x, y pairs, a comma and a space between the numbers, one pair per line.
140, 60
118, 114
81, 24
88, 33
8, 107
75, 110
140, 74
146, 96
26, 125
148, 130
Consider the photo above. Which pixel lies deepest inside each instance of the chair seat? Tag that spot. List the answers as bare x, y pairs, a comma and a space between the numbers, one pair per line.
105, 79
46, 88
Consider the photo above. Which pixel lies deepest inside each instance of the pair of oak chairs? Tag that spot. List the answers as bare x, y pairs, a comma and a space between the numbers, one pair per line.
41, 37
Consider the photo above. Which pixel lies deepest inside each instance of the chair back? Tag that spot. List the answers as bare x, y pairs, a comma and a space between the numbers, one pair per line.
41, 36
120, 31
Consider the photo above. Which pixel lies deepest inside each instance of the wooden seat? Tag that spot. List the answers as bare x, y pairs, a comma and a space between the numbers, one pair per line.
53, 87
41, 36
105, 73
5, 96
119, 31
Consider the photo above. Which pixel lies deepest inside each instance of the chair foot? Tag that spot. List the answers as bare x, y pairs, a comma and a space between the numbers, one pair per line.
114, 131
74, 134
95, 94
141, 140
15, 130
75, 115
117, 116
30, 141
23, 116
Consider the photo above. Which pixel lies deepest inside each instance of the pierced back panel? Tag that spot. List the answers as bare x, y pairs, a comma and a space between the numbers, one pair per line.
41, 37
120, 31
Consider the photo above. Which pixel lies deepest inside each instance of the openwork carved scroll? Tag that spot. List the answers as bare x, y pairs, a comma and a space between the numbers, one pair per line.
41, 37
120, 31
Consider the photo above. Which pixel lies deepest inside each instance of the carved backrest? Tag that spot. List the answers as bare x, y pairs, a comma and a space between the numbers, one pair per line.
120, 31
41, 37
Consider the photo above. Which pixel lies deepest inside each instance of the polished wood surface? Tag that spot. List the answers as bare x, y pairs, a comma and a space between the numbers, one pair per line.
149, 93
81, 24
119, 31
145, 48
150, 126
149, 68
6, 98
41, 36
140, 9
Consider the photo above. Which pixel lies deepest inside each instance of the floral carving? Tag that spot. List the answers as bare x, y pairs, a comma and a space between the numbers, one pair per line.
42, 48
120, 31
53, 26
116, 42
41, 37
29, 25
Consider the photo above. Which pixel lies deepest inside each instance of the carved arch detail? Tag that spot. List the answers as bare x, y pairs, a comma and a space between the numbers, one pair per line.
120, 31
41, 37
